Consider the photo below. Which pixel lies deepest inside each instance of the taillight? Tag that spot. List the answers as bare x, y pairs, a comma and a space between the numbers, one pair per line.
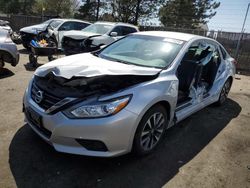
234, 61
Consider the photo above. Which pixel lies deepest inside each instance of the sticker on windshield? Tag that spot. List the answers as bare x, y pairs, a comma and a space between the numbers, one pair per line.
173, 41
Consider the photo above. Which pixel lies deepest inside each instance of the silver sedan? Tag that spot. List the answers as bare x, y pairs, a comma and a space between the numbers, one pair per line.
8, 49
124, 97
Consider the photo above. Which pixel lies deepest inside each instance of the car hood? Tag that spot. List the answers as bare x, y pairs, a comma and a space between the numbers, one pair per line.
78, 35
34, 28
88, 65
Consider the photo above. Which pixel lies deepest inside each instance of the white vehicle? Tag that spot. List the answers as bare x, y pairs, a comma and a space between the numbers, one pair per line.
54, 27
94, 36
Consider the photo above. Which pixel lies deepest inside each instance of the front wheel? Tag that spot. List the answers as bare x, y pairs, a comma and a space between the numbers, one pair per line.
150, 130
224, 92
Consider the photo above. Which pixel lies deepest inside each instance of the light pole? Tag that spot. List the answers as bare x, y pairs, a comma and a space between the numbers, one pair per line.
241, 34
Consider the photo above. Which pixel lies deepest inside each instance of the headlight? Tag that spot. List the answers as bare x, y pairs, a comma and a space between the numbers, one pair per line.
101, 109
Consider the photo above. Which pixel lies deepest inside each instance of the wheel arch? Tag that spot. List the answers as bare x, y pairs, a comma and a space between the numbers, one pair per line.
166, 105
6, 56
163, 103
231, 79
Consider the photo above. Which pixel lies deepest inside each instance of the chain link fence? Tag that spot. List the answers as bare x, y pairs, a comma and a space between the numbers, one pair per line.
227, 39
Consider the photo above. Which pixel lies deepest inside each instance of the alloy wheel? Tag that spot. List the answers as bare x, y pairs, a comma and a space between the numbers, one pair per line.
225, 91
152, 131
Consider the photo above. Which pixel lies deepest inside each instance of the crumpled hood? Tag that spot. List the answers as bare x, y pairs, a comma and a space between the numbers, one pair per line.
79, 35
88, 65
34, 28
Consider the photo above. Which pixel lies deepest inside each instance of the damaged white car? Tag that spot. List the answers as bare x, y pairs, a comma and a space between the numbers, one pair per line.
124, 97
95, 36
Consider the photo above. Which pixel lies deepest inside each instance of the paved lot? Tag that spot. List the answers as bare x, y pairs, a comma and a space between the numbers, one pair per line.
209, 149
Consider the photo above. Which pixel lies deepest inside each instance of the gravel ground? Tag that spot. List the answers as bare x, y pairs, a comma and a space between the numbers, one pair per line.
209, 149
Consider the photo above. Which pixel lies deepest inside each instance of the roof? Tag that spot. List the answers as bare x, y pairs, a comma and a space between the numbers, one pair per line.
115, 23
69, 19
167, 34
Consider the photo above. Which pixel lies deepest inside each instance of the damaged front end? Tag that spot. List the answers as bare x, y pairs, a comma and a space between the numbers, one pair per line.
59, 93
75, 46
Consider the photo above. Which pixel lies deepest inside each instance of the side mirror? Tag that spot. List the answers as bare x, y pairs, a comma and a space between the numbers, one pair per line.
113, 34
102, 46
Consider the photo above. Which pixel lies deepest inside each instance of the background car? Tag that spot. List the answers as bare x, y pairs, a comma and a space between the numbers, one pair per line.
94, 36
5, 25
30, 32
8, 49
123, 97
54, 27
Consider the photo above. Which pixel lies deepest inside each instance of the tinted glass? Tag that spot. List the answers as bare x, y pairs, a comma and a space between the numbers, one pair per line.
128, 30
223, 52
118, 30
80, 25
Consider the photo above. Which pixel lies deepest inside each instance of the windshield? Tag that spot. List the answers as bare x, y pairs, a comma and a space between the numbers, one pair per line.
98, 28
47, 22
141, 50
55, 23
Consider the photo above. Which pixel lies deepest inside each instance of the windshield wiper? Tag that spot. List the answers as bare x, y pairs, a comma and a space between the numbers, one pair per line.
96, 53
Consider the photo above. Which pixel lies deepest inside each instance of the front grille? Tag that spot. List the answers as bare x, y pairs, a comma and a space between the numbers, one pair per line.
48, 100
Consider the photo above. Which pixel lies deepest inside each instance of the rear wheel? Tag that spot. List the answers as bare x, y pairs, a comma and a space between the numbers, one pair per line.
1, 63
224, 93
26, 45
1, 59
150, 130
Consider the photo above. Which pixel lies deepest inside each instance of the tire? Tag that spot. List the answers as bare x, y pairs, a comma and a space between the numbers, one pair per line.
51, 58
224, 93
27, 46
52, 40
1, 64
33, 60
150, 131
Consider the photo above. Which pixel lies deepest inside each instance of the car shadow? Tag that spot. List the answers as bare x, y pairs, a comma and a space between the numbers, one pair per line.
5, 73
31, 66
24, 51
34, 163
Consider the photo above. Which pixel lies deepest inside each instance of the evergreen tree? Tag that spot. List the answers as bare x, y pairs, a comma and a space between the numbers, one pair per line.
187, 13
132, 11
16, 6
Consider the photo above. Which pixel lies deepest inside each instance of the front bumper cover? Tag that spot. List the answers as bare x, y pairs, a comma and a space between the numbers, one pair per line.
116, 131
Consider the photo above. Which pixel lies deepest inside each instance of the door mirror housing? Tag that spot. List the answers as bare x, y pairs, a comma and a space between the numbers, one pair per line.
113, 34
102, 46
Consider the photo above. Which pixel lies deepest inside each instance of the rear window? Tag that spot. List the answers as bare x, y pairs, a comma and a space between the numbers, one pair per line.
223, 52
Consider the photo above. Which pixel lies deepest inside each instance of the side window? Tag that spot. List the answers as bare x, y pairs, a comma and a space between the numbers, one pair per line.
202, 52
223, 52
118, 30
193, 52
216, 57
80, 25
67, 26
128, 30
